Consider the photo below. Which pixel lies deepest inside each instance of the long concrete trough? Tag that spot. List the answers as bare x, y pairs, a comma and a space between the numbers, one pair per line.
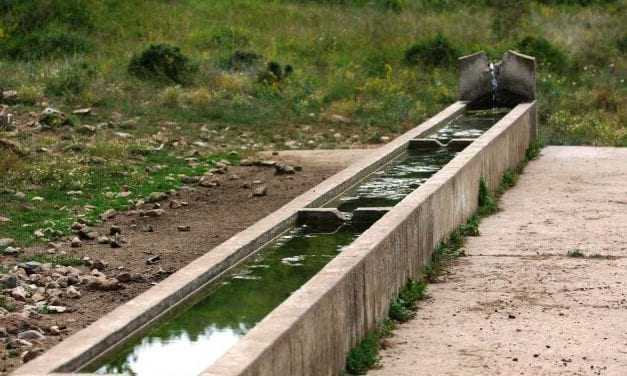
311, 332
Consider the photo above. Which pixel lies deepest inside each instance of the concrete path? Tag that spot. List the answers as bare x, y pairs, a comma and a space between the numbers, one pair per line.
518, 305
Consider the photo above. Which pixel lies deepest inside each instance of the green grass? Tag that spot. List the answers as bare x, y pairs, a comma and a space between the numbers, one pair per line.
251, 83
99, 185
349, 58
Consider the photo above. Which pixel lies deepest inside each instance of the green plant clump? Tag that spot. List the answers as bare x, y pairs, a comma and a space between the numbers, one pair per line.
487, 203
545, 52
162, 62
434, 52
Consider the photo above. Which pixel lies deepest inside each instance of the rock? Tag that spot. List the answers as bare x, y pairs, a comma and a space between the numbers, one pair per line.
115, 229
4, 220
72, 292
55, 309
82, 111
384, 139
103, 284
175, 204
9, 95
209, 182
138, 277
147, 228
156, 197
260, 190
340, 119
86, 129
200, 144
153, 260
86, 234
19, 293
6, 242
76, 242
190, 179
29, 355
54, 330
11, 251
184, 228
108, 214
31, 335
154, 213
38, 297
20, 195
16, 343
246, 162
116, 241
99, 265
284, 169
52, 118
103, 240
267, 163
9, 281
31, 266
124, 277
122, 134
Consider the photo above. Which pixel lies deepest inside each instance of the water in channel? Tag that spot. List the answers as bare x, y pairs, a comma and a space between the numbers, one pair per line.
389, 185
189, 340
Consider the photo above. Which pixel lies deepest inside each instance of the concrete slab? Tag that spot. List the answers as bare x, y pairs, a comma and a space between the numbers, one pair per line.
518, 304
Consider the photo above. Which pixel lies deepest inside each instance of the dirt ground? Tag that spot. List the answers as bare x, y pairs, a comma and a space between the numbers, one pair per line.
213, 215
518, 304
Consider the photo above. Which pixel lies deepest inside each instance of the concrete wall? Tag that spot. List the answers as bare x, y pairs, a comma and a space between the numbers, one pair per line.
313, 330
84, 346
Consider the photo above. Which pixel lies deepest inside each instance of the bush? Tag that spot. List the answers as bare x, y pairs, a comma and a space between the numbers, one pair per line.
275, 73
546, 53
162, 62
70, 81
244, 60
434, 52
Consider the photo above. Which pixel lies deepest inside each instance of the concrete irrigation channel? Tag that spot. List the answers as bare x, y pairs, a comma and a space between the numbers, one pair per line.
292, 294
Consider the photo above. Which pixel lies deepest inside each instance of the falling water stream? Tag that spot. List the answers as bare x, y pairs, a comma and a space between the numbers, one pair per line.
189, 340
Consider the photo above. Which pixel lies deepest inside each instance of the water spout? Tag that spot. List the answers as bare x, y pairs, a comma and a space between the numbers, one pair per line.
494, 84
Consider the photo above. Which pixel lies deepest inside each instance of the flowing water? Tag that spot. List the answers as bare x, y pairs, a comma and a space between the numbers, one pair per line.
470, 125
390, 185
190, 339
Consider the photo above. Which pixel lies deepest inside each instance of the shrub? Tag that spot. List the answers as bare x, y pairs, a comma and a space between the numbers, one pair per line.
162, 62
546, 53
70, 81
244, 60
274, 73
434, 52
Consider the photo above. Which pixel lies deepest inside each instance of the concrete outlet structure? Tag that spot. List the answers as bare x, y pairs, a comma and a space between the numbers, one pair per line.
311, 332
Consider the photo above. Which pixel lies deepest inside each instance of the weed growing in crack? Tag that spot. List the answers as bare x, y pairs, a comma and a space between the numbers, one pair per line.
487, 202
575, 253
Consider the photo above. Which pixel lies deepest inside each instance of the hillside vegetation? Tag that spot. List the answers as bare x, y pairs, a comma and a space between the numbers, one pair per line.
190, 78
